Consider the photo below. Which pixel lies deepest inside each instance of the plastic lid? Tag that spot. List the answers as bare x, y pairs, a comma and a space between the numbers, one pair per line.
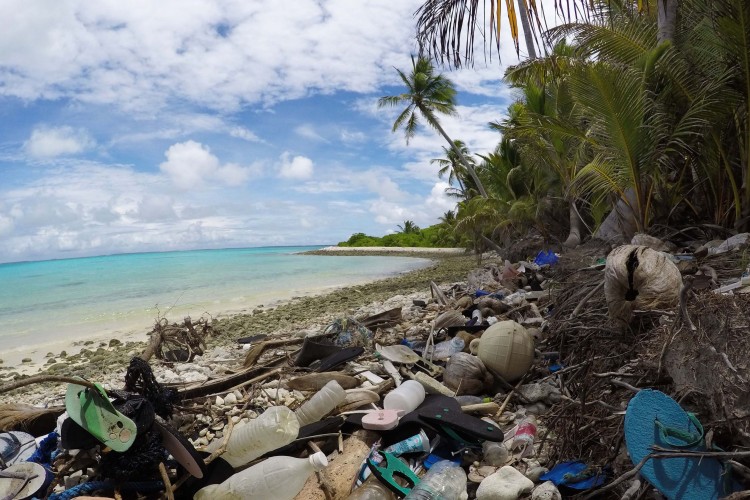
319, 460
381, 420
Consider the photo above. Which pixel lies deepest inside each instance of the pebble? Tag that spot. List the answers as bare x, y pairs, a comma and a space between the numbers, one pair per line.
219, 401
546, 491
534, 473
230, 399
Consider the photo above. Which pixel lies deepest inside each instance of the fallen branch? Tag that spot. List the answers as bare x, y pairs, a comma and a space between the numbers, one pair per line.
40, 379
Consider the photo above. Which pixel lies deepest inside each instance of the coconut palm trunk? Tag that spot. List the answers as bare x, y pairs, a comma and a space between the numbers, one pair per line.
523, 14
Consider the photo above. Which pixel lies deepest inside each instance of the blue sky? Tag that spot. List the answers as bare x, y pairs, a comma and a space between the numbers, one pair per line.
179, 124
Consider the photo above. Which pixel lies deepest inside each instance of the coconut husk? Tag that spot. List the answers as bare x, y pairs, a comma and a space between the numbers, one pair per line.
466, 374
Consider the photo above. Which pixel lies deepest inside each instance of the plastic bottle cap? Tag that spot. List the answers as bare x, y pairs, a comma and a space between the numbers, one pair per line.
319, 460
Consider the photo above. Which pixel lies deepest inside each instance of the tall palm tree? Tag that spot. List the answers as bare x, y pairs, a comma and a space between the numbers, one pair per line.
408, 227
427, 95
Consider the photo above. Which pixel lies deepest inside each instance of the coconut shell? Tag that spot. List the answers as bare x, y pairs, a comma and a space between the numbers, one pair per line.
466, 374
467, 338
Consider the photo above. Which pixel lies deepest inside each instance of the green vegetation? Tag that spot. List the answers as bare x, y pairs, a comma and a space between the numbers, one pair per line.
637, 118
410, 235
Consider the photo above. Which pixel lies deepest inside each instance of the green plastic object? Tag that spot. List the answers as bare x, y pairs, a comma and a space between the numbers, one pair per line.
91, 409
390, 468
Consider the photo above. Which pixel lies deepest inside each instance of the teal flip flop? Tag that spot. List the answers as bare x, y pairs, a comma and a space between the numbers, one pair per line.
92, 410
654, 419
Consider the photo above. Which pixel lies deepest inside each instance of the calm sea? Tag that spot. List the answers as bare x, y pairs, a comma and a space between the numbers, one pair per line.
74, 298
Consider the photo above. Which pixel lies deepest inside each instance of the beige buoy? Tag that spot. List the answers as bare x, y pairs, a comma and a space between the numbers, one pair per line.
507, 348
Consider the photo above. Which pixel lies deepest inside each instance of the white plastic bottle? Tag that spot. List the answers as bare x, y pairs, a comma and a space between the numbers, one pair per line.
444, 481
277, 478
407, 397
321, 404
274, 428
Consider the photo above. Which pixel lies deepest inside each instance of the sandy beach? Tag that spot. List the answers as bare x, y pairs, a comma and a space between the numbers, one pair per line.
106, 355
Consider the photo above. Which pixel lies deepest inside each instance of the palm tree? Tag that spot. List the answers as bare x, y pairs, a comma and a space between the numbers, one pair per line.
446, 28
408, 228
451, 165
427, 94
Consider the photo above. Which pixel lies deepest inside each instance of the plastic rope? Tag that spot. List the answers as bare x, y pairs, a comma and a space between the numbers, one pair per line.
43, 454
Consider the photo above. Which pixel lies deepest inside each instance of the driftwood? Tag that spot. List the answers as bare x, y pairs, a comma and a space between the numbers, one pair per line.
174, 342
254, 353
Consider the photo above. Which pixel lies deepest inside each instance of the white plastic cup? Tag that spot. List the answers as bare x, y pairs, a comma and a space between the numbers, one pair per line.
406, 397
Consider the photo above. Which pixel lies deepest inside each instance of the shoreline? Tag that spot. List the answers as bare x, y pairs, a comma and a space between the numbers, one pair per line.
108, 359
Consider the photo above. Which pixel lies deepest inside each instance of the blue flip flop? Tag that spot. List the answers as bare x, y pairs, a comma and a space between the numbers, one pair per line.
653, 418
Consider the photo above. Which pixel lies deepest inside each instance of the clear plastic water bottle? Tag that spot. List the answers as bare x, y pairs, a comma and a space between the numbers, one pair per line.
277, 478
444, 481
372, 489
274, 428
447, 348
321, 404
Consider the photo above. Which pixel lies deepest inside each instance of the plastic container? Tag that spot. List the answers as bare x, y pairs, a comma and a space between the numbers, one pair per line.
407, 397
444, 481
419, 443
277, 478
447, 348
372, 489
321, 404
274, 428
523, 440
495, 454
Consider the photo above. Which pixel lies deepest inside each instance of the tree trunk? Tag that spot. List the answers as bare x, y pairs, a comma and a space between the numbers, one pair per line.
621, 223
576, 226
666, 18
466, 163
523, 13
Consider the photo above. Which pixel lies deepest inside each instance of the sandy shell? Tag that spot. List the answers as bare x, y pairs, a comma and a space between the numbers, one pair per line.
357, 398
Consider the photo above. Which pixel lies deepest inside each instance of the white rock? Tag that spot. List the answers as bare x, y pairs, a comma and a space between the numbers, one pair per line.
505, 484
230, 399
546, 491
219, 401
534, 473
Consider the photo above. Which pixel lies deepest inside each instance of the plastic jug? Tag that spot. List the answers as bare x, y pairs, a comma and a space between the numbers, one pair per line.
407, 397
277, 478
274, 428
321, 404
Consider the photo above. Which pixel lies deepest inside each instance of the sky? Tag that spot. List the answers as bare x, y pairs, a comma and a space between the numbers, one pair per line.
184, 124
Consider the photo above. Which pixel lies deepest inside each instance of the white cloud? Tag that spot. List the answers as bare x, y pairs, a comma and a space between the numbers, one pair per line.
437, 201
243, 133
6, 225
50, 142
390, 213
352, 136
308, 132
298, 167
191, 165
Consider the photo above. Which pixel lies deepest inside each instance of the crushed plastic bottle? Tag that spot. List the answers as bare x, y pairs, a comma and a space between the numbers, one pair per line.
372, 489
447, 348
321, 404
274, 428
444, 481
279, 478
524, 437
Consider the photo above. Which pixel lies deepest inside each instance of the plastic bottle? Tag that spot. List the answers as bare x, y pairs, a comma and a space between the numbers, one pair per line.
372, 489
447, 348
274, 428
444, 481
524, 437
321, 404
279, 478
407, 397
495, 454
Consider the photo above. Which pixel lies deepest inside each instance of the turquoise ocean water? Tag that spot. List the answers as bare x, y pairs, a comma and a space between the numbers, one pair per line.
75, 298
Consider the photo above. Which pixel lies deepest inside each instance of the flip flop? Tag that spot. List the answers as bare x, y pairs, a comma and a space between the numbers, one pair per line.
653, 418
92, 410
443, 414
391, 468
23, 480
16, 446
